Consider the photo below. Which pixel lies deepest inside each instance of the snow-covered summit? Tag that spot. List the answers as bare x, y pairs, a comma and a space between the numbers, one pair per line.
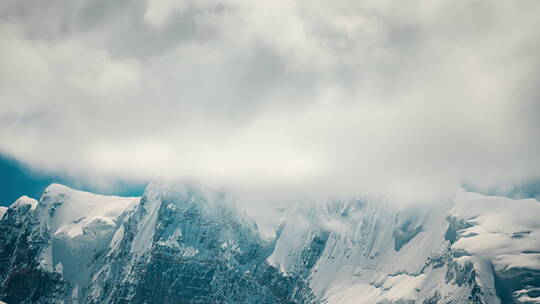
68, 211
24, 202
504, 231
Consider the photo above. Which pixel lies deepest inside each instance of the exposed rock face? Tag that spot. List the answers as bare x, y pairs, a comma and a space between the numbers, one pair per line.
180, 244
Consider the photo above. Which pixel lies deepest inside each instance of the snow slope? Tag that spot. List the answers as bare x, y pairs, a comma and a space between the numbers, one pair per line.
364, 248
2, 211
80, 224
74, 213
502, 238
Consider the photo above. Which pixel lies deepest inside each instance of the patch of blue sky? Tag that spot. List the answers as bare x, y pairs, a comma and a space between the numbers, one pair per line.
17, 179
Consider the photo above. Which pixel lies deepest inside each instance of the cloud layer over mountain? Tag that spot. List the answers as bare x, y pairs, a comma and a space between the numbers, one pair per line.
275, 97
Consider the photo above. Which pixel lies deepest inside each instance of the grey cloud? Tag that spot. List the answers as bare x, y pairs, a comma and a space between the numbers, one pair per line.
275, 98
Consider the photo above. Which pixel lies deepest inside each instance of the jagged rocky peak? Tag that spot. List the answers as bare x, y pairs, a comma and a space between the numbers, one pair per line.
187, 200
24, 202
196, 220
182, 243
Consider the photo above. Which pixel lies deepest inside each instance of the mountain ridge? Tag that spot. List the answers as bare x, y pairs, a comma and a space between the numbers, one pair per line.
179, 243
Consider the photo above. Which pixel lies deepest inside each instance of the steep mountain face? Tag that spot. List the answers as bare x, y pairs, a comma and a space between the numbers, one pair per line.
181, 244
173, 245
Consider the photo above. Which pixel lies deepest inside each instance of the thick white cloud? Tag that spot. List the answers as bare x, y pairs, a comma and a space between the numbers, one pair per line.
275, 98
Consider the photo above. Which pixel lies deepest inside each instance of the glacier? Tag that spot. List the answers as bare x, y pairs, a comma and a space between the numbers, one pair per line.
181, 243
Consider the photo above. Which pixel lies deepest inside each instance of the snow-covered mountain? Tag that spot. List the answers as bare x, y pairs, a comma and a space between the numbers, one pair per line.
183, 244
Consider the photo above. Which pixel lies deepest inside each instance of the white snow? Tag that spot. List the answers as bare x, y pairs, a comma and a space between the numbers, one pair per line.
2, 211
503, 231
525, 298
359, 263
389, 289
146, 227
76, 212
24, 201
81, 224
117, 237
172, 240
291, 238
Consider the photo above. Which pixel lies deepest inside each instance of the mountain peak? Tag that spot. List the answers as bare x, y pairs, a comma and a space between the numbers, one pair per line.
24, 201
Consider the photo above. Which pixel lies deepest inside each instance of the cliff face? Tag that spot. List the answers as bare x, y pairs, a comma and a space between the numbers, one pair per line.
181, 244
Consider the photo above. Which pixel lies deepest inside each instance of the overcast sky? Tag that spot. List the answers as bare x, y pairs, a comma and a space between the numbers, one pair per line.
275, 98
